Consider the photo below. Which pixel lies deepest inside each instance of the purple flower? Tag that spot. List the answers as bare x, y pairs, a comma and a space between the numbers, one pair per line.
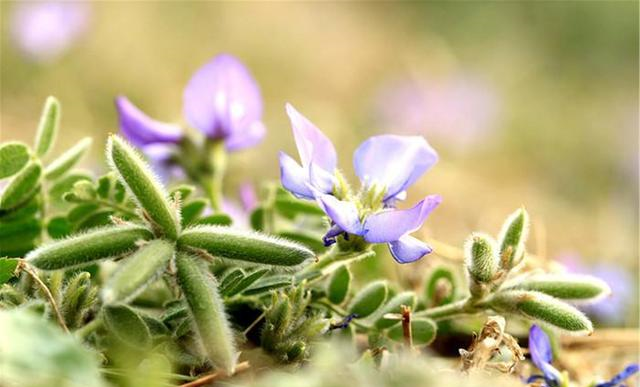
621, 377
45, 30
221, 100
386, 165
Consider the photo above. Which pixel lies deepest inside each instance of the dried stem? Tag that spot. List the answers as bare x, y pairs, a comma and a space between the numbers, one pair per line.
406, 326
215, 376
27, 269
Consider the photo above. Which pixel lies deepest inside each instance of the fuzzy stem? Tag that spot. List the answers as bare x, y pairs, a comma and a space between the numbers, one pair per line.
217, 160
446, 312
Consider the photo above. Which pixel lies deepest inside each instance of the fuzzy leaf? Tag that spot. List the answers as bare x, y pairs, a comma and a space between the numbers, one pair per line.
369, 299
48, 126
228, 243
541, 307
127, 326
338, 286
8, 268
207, 312
214, 220
143, 185
423, 331
570, 287
266, 284
138, 271
67, 160
65, 184
513, 237
22, 186
85, 248
247, 281
13, 157
393, 306
192, 210
440, 288
59, 227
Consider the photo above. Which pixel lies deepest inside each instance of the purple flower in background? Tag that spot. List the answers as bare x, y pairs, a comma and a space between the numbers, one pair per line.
221, 100
240, 213
43, 31
386, 165
460, 110
621, 377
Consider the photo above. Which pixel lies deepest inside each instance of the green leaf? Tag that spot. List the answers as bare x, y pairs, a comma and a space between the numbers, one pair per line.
192, 210
207, 312
369, 299
65, 184
338, 286
48, 126
230, 278
423, 331
67, 160
22, 186
184, 190
215, 220
234, 244
78, 297
8, 267
441, 279
541, 307
246, 282
13, 157
393, 306
23, 229
85, 248
127, 326
138, 271
312, 241
144, 186
571, 287
257, 219
289, 206
267, 284
59, 227
512, 238
81, 212
481, 259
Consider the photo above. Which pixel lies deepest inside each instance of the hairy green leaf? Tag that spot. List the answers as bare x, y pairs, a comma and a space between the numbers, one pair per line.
571, 287
512, 238
339, 284
48, 126
423, 331
393, 306
8, 268
63, 163
13, 157
369, 299
127, 326
22, 186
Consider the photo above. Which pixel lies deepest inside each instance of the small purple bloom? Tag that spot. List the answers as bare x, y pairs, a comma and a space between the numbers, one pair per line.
45, 30
617, 380
386, 165
221, 100
542, 356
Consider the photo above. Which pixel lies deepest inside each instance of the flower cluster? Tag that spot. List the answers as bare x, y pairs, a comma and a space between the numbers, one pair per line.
387, 165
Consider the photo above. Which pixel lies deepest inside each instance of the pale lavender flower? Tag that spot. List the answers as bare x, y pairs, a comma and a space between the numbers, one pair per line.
386, 165
221, 100
459, 110
43, 31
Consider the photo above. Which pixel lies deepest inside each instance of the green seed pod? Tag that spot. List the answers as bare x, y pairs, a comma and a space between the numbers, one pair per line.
138, 271
99, 243
393, 306
512, 239
539, 306
13, 157
481, 258
369, 299
207, 311
67, 160
423, 331
22, 186
127, 326
48, 126
143, 185
228, 243
338, 286
570, 287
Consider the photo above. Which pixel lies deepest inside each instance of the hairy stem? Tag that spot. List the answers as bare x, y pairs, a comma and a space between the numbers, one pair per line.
463, 307
217, 160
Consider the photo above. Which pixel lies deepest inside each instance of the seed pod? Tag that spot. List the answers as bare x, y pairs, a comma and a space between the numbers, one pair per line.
48, 126
22, 186
570, 287
393, 306
207, 312
13, 157
481, 259
67, 160
99, 243
423, 331
127, 326
512, 239
339, 284
539, 306
228, 243
369, 299
138, 271
143, 185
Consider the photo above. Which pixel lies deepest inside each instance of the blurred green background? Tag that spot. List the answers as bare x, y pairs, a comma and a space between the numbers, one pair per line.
528, 103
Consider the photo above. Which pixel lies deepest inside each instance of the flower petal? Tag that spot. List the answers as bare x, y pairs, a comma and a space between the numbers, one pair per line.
619, 378
542, 354
244, 139
320, 179
393, 161
342, 213
294, 178
142, 130
313, 145
391, 225
222, 98
408, 249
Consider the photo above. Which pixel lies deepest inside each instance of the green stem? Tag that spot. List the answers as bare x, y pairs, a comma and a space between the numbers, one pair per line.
463, 307
331, 261
117, 207
343, 313
92, 326
217, 163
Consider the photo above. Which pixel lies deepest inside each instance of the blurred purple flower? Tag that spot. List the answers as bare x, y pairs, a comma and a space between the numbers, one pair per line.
613, 309
621, 377
43, 31
221, 100
459, 110
386, 165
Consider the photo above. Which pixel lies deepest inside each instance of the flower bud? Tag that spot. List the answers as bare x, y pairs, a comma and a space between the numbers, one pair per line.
512, 239
481, 258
